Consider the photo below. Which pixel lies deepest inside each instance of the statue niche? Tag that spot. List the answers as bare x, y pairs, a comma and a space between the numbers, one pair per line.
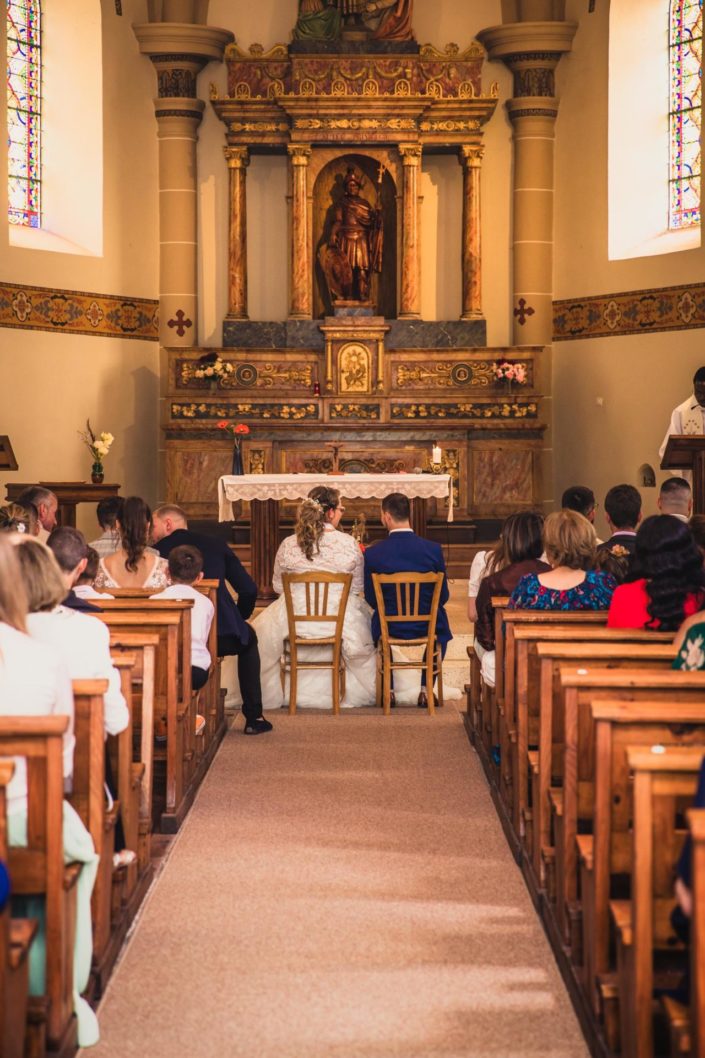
354, 226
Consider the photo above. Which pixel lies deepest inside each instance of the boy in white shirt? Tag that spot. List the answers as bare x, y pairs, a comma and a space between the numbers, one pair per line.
84, 585
185, 570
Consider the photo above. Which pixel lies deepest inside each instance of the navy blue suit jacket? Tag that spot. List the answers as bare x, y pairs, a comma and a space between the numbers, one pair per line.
221, 564
405, 552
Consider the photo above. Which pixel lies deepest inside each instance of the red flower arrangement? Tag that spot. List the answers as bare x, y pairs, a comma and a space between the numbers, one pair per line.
237, 430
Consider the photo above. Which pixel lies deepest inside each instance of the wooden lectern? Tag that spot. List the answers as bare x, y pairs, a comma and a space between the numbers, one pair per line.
7, 456
687, 452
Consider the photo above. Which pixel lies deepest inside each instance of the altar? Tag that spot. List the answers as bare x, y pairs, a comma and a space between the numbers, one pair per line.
354, 378
265, 492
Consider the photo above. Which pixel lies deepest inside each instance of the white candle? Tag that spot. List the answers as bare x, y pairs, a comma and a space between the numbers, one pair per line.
436, 455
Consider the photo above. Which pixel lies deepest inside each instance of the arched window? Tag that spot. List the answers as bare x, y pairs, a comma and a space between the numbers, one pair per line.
685, 110
24, 81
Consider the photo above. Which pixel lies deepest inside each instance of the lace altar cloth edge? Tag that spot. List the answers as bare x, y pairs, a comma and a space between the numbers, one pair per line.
350, 486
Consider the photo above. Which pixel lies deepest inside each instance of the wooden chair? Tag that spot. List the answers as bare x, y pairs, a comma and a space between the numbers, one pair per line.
407, 598
38, 869
661, 780
16, 936
317, 596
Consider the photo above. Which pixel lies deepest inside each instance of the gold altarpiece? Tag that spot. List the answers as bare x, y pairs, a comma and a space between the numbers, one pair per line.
372, 386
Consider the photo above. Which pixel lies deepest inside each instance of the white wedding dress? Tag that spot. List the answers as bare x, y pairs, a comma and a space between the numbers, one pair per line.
338, 553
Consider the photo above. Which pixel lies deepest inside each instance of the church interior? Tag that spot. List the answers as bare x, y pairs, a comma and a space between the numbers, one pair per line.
452, 244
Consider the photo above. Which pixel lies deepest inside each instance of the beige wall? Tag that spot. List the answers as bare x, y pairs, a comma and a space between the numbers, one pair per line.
612, 397
50, 383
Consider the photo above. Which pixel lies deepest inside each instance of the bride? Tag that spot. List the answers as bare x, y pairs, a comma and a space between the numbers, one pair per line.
318, 545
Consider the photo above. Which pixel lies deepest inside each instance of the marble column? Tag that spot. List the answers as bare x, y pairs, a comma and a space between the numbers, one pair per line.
301, 272
470, 157
532, 51
179, 51
410, 301
238, 158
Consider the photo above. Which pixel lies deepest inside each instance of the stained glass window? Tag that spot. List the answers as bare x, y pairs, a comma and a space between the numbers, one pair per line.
24, 72
686, 32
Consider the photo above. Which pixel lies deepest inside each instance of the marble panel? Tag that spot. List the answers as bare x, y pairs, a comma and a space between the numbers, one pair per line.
254, 334
501, 476
440, 334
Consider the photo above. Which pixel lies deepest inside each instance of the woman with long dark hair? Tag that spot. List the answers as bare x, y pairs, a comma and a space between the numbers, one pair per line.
133, 565
668, 580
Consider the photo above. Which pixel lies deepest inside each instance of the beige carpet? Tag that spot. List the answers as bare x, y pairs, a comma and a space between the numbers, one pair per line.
341, 889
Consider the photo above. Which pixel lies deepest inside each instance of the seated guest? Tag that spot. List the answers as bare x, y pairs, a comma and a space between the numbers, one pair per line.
83, 587
19, 518
132, 565
614, 560
46, 505
478, 570
108, 513
317, 544
581, 499
185, 571
670, 580
623, 513
571, 584
34, 681
84, 642
676, 498
68, 545
405, 552
522, 536
689, 644
697, 528
235, 636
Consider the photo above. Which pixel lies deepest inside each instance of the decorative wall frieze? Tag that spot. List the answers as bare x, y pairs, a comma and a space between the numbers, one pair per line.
355, 411
284, 375
76, 312
451, 374
518, 409
631, 312
213, 412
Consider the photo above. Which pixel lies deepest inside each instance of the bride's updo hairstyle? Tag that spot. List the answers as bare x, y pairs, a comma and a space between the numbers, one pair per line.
311, 519
135, 520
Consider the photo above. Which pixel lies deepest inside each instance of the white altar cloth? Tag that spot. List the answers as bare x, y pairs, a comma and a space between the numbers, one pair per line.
350, 486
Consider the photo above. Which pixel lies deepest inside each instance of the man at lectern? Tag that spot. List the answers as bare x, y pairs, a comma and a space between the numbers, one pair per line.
688, 417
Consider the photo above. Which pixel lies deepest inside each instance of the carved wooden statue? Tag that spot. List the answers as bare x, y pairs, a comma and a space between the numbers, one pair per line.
355, 246
395, 23
318, 20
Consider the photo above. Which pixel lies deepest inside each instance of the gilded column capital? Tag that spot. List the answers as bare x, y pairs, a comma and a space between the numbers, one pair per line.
470, 156
299, 153
237, 157
410, 153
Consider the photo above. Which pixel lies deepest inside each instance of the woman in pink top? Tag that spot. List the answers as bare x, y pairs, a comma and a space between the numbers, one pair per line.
669, 580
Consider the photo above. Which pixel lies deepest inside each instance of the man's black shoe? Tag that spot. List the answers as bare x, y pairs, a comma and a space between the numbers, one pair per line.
423, 701
257, 727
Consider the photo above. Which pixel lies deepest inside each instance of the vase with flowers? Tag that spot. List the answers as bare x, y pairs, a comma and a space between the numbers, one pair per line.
507, 372
99, 446
237, 431
213, 369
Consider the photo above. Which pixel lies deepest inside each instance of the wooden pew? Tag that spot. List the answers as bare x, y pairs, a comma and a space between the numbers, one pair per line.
38, 868
129, 774
580, 687
173, 662
141, 648
607, 852
598, 648
642, 924
16, 936
89, 800
696, 825
527, 681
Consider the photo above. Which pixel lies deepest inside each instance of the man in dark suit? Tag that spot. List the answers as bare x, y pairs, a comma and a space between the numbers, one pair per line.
71, 553
405, 552
623, 512
235, 636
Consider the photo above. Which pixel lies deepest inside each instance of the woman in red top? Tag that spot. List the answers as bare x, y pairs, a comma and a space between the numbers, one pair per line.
670, 584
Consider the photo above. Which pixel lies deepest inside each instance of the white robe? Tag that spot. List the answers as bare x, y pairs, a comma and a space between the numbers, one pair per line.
687, 418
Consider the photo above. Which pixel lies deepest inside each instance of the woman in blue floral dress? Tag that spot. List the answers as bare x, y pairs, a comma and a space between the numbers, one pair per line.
570, 584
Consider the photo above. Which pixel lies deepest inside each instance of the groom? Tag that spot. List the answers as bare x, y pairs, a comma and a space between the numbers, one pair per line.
405, 552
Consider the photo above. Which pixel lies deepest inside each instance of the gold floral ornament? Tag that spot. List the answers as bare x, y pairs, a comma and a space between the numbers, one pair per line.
98, 445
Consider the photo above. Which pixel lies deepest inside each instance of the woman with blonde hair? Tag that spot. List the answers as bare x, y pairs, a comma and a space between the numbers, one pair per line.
19, 518
34, 681
317, 544
571, 584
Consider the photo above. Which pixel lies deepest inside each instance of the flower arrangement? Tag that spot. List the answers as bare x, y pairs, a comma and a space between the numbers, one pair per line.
505, 371
237, 431
214, 370
99, 446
